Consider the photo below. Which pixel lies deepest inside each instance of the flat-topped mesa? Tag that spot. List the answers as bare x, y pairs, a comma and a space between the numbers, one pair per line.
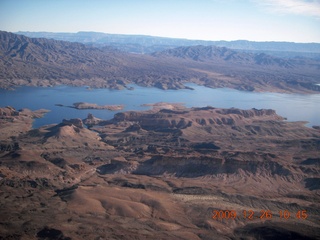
250, 113
146, 120
186, 117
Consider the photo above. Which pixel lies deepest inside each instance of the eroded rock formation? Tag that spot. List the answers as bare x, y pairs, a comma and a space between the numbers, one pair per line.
161, 173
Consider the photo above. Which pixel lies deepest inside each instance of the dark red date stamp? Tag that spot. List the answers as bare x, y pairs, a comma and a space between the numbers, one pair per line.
262, 214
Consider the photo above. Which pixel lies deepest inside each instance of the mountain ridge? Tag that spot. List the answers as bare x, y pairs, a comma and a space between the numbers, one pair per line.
47, 62
148, 44
213, 53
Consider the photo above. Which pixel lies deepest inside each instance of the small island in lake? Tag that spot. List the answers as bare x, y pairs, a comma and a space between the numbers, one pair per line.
84, 105
164, 105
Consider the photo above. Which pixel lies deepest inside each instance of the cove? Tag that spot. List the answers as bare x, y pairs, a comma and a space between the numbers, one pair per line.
294, 107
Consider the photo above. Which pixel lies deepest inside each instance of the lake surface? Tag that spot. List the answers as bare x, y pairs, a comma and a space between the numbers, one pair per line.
295, 107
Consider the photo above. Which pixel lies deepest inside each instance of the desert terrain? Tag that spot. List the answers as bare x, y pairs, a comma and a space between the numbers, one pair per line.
44, 62
170, 172
167, 173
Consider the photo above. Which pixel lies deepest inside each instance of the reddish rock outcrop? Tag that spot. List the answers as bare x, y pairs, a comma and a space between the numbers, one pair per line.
74, 121
8, 111
91, 120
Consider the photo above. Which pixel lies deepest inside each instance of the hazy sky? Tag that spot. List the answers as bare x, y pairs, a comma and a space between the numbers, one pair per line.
258, 20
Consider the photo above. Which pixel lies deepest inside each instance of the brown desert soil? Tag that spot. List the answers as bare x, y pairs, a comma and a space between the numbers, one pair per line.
159, 174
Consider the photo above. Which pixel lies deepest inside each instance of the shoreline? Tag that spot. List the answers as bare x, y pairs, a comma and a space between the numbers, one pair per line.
270, 89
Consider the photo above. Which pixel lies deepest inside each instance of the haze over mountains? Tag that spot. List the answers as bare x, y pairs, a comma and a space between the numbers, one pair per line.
47, 62
149, 44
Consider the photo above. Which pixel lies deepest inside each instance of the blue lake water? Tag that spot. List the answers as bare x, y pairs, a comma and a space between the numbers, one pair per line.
295, 107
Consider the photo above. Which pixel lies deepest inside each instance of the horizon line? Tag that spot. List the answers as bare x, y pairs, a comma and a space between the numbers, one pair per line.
181, 38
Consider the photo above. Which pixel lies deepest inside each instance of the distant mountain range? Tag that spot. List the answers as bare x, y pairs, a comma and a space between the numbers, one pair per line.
213, 54
47, 62
149, 44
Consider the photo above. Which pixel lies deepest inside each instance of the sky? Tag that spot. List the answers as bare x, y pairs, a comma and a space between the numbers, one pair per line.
254, 20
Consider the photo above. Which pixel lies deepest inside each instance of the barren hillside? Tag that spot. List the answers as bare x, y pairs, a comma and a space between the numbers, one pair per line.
167, 173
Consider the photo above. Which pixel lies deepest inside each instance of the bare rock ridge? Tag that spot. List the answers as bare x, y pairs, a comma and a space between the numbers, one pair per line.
166, 118
47, 62
75, 121
91, 120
